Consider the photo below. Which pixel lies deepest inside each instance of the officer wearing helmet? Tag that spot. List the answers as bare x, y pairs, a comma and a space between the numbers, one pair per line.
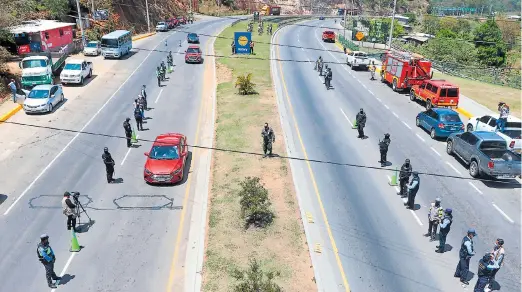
486, 267
434, 217
47, 258
404, 177
445, 226
128, 131
413, 188
360, 120
383, 148
109, 164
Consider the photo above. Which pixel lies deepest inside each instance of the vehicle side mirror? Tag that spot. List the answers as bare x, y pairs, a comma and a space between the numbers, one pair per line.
146, 154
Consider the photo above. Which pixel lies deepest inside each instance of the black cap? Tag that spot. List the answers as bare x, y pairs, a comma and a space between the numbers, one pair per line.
127, 119
407, 160
106, 149
66, 194
500, 241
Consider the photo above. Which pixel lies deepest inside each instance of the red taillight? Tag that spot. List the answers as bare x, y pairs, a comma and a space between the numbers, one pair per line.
441, 126
491, 164
512, 144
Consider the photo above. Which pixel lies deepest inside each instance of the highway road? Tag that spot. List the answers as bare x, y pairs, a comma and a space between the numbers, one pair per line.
138, 241
370, 242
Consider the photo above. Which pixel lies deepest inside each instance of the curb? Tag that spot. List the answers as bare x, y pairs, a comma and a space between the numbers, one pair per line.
143, 36
464, 112
11, 113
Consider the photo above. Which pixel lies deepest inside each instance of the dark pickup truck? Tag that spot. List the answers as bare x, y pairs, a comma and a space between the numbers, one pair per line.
486, 153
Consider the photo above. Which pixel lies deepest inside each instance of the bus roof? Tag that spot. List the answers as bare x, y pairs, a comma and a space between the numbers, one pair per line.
115, 34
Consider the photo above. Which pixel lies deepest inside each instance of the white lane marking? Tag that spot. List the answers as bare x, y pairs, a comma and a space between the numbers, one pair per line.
389, 178
416, 217
503, 214
408, 126
346, 117
475, 187
418, 136
451, 165
379, 99
371, 92
397, 189
396, 115
81, 130
127, 154
66, 266
433, 149
364, 86
302, 49
387, 107
157, 98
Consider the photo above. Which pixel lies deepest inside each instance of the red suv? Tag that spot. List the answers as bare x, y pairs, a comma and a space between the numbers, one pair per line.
436, 93
193, 55
328, 36
166, 159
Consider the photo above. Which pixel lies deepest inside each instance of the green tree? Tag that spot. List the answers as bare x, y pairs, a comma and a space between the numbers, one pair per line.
449, 23
488, 40
398, 29
430, 24
255, 203
254, 279
57, 8
446, 33
245, 85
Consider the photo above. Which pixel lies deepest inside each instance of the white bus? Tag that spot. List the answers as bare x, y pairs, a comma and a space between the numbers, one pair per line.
116, 44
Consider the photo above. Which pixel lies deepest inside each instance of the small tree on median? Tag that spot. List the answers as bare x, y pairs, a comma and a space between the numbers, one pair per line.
255, 204
255, 280
244, 84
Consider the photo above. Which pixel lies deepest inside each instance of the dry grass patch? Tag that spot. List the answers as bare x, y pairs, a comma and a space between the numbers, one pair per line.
281, 247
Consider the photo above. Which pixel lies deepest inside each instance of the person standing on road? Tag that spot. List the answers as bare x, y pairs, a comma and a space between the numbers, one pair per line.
434, 216
143, 92
12, 86
383, 148
268, 138
109, 164
465, 254
47, 258
360, 119
372, 70
486, 267
69, 210
445, 226
128, 131
404, 177
413, 188
498, 255
158, 76
139, 118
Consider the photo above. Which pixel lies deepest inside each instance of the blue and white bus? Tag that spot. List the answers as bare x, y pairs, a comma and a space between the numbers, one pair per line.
116, 44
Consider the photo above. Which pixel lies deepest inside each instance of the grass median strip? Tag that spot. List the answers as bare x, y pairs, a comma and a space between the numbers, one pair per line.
281, 246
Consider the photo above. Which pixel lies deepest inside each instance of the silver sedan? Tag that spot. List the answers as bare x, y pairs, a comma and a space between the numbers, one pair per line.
43, 98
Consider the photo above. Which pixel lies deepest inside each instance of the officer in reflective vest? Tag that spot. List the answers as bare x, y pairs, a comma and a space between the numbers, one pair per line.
444, 230
435, 215
485, 271
47, 258
465, 254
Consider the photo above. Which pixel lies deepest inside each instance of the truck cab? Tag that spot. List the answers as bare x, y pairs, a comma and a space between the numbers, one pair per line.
436, 93
76, 71
40, 68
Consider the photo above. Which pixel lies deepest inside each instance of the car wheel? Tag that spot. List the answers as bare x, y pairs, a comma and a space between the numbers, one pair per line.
62, 98
432, 133
382, 78
81, 81
417, 122
429, 105
449, 147
50, 108
474, 169
394, 85
90, 74
412, 95
469, 128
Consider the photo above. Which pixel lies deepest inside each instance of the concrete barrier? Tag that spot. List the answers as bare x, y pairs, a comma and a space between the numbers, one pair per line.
10, 113
142, 36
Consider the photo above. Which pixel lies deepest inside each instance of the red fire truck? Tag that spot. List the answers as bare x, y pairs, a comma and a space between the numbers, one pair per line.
403, 70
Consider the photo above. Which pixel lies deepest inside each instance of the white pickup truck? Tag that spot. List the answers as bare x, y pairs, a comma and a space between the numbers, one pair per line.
511, 134
76, 71
358, 59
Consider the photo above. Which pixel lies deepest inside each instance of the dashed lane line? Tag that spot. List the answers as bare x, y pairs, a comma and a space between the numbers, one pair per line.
396, 115
127, 154
66, 266
157, 98
475, 187
346, 117
453, 167
503, 214
419, 136
371, 92
416, 217
387, 107
408, 126
437, 152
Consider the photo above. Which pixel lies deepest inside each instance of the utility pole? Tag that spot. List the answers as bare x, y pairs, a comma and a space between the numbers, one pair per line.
148, 19
92, 2
81, 21
391, 26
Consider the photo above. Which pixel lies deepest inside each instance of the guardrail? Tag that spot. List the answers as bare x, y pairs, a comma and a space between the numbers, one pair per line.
347, 43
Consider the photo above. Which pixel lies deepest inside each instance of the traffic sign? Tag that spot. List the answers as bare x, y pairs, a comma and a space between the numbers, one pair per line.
359, 35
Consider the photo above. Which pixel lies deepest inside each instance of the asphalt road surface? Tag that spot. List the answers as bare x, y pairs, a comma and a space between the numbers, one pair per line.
380, 244
130, 246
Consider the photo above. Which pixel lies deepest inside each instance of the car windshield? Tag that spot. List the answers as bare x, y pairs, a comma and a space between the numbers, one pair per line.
192, 50
38, 94
92, 45
450, 118
513, 133
161, 23
33, 64
192, 35
164, 152
109, 43
72, 67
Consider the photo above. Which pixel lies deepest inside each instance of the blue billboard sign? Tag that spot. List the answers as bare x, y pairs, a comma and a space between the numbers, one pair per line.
242, 42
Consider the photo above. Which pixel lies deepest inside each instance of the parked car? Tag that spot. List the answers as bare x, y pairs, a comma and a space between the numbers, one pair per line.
512, 131
486, 154
328, 36
357, 59
162, 26
92, 49
166, 159
182, 20
321, 17
440, 122
192, 38
436, 93
43, 98
193, 55
76, 71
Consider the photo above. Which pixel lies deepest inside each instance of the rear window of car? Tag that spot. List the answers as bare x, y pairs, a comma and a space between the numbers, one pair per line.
493, 145
328, 32
513, 134
452, 118
449, 92
193, 50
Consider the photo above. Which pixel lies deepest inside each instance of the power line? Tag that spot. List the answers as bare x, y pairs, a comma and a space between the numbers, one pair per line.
359, 166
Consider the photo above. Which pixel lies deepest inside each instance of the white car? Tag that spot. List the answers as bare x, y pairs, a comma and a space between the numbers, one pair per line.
358, 59
43, 98
76, 71
162, 26
92, 49
512, 130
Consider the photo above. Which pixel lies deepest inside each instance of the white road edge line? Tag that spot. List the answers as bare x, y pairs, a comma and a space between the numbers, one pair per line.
127, 154
503, 214
157, 98
433, 149
408, 126
416, 217
418, 136
370, 92
65, 267
81, 130
475, 187
379, 99
397, 116
456, 170
387, 107
346, 117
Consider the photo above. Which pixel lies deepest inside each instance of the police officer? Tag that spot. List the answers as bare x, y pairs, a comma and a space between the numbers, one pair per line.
498, 255
413, 188
69, 210
109, 164
158, 75
445, 226
320, 68
434, 217
268, 138
128, 131
47, 258
486, 267
383, 148
360, 119
465, 254
404, 177
143, 92
328, 77
139, 118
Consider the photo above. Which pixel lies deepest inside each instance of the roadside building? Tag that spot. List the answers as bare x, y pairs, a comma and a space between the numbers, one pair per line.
42, 35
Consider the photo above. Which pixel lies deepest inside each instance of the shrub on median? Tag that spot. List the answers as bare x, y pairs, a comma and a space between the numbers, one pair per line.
255, 204
254, 279
245, 85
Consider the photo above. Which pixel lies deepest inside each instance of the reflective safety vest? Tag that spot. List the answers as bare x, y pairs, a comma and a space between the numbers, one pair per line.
48, 251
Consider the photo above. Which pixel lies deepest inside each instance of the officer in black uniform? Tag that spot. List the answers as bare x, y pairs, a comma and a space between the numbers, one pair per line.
465, 254
486, 267
139, 118
360, 119
47, 258
413, 188
445, 226
404, 177
128, 131
109, 164
383, 148
328, 77
268, 138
